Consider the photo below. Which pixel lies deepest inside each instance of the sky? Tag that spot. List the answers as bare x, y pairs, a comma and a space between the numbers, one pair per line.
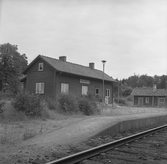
131, 35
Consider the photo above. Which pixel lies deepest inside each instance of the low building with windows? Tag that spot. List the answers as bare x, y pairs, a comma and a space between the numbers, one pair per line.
51, 77
149, 97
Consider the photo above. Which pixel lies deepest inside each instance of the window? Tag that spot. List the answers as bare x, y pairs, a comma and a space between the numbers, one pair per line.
40, 67
39, 88
97, 91
108, 92
64, 88
84, 90
147, 100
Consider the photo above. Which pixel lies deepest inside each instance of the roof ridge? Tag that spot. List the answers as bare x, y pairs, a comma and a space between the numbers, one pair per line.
70, 62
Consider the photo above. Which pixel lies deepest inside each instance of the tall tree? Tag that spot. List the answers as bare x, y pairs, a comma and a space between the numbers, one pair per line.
12, 63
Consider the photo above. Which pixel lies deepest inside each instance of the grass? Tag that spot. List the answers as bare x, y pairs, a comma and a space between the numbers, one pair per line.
112, 110
16, 127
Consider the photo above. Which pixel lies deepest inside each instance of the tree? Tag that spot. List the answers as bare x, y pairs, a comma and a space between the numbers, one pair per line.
12, 63
127, 91
133, 81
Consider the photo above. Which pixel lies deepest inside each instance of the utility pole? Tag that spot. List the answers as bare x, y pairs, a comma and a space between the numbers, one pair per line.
103, 61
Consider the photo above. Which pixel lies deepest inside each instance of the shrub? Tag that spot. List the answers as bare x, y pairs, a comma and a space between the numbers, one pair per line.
6, 95
50, 103
129, 98
121, 101
87, 105
67, 103
1, 105
28, 103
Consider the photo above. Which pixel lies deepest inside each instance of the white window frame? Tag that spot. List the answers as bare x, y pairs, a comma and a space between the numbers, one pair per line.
97, 94
39, 89
147, 100
40, 66
84, 90
108, 92
64, 88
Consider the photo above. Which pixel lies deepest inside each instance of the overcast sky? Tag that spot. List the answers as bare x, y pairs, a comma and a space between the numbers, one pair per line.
131, 35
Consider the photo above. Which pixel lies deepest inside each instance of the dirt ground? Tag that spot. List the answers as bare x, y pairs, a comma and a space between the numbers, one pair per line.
26, 140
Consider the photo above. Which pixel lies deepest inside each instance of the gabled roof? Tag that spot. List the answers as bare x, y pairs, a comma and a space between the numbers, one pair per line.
148, 92
71, 68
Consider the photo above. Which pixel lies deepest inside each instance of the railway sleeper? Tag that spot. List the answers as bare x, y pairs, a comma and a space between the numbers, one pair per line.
142, 154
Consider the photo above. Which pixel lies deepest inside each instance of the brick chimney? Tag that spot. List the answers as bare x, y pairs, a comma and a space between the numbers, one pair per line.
92, 65
62, 58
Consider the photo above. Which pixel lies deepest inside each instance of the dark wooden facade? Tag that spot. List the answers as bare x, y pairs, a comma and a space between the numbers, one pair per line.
148, 97
52, 79
153, 101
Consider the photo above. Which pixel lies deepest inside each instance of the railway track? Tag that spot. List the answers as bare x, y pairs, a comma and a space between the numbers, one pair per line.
149, 146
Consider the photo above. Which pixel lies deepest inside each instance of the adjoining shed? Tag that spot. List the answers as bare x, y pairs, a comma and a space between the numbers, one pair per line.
149, 97
51, 77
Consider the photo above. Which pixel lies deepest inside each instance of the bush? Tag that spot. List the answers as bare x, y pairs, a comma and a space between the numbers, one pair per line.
1, 106
28, 103
67, 103
50, 103
87, 105
6, 95
129, 98
121, 101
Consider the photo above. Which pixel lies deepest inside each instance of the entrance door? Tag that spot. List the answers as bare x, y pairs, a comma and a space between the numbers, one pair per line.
161, 102
140, 101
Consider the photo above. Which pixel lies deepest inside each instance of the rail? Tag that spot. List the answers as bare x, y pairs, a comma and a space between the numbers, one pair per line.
72, 159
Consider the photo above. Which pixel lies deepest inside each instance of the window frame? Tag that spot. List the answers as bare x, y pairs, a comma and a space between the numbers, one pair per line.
39, 89
40, 66
147, 100
64, 87
97, 94
107, 92
82, 90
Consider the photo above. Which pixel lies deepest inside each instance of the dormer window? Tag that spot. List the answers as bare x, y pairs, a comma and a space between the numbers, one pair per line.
40, 67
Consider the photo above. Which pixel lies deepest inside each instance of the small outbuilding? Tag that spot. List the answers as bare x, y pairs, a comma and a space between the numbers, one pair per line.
149, 97
50, 77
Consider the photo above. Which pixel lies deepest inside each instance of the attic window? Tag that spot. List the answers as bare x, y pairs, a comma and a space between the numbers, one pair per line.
40, 67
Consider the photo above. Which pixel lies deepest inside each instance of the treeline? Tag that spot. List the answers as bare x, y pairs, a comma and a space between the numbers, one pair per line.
125, 86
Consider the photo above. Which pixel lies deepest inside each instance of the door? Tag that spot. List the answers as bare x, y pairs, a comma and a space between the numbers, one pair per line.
161, 102
140, 101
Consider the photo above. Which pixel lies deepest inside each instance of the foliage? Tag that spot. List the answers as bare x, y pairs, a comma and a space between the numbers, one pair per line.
129, 98
67, 103
121, 101
12, 63
125, 86
87, 105
6, 95
51, 103
1, 105
28, 103
127, 91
